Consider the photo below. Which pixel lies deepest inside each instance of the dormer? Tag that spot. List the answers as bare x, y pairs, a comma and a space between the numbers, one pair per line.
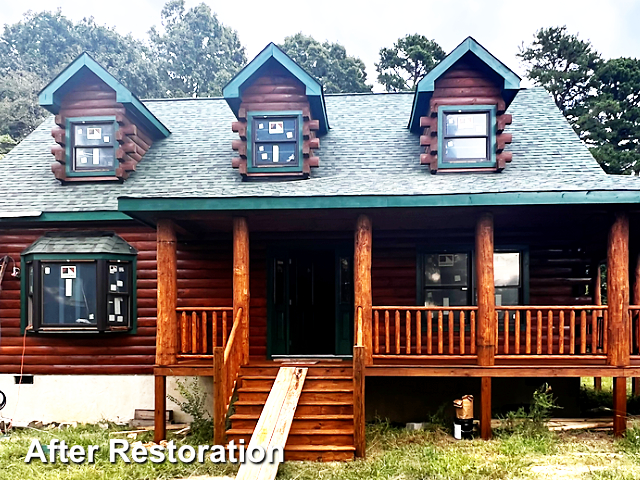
102, 129
459, 110
281, 113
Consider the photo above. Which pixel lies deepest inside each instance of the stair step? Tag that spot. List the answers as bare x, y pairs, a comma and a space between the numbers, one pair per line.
314, 424
254, 416
305, 397
314, 371
313, 383
328, 390
315, 408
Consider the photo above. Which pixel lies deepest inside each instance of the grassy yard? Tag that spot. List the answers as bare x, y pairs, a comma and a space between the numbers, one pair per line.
392, 454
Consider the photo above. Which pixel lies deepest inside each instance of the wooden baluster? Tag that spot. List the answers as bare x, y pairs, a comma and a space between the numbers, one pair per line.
605, 331
214, 329
376, 332
539, 333
440, 333
505, 347
224, 329
429, 332
451, 332
472, 333
387, 333
516, 332
528, 334
205, 340
183, 333
561, 334
194, 332
418, 332
397, 332
594, 332
550, 332
462, 333
572, 332
408, 331
583, 331
497, 333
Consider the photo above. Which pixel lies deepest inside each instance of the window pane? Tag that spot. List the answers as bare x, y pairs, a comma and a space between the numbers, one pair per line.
346, 276
69, 293
99, 158
446, 269
93, 135
275, 129
446, 297
506, 269
275, 154
465, 149
466, 124
118, 277
507, 296
118, 310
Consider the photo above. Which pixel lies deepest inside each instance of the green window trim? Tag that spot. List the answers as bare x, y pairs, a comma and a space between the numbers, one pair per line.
70, 144
251, 150
446, 109
102, 261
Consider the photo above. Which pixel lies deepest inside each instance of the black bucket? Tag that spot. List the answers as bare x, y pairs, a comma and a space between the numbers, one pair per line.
463, 429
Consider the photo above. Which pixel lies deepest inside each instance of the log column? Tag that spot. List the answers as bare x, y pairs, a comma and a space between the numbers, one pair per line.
362, 282
167, 322
486, 330
241, 279
618, 304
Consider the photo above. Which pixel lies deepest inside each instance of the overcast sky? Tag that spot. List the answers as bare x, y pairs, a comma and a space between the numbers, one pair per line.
363, 27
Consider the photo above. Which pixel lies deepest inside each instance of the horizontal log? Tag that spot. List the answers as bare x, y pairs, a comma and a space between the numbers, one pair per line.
240, 128
123, 137
257, 89
133, 130
457, 72
90, 104
502, 140
61, 352
504, 120
453, 101
505, 156
425, 140
93, 360
58, 135
453, 82
89, 95
59, 153
274, 107
274, 98
79, 369
314, 124
313, 162
492, 91
91, 112
237, 161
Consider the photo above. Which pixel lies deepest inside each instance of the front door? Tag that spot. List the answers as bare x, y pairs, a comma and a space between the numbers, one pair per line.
309, 303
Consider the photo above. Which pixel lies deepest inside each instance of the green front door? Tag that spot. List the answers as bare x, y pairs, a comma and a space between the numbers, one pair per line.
310, 302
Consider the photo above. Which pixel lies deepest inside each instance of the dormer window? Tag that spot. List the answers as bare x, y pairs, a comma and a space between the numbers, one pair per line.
275, 142
467, 136
92, 150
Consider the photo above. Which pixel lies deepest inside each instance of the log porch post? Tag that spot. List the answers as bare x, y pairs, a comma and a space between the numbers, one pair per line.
486, 331
241, 279
618, 304
362, 283
167, 320
160, 408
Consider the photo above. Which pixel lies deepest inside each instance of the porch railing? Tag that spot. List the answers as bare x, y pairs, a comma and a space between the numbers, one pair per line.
634, 329
201, 329
425, 330
551, 330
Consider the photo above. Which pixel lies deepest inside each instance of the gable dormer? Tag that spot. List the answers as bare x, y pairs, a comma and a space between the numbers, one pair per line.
102, 129
281, 113
459, 109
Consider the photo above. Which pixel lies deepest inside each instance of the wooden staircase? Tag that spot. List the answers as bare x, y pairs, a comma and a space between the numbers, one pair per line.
322, 428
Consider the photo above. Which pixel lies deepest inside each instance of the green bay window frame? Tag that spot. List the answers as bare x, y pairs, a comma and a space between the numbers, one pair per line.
490, 158
32, 304
70, 141
252, 151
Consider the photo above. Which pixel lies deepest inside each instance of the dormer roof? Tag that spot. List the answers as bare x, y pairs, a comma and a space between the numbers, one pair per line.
51, 96
273, 57
510, 82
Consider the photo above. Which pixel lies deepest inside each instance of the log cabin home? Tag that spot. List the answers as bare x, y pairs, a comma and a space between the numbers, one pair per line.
393, 243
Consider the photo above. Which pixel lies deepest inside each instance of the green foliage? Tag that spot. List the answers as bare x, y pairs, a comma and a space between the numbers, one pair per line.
531, 421
6, 144
402, 66
194, 405
328, 63
564, 64
197, 54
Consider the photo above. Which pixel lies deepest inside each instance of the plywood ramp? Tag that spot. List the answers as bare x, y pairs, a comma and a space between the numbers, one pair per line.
272, 429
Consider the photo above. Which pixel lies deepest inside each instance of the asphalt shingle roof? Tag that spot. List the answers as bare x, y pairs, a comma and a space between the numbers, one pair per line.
368, 151
80, 242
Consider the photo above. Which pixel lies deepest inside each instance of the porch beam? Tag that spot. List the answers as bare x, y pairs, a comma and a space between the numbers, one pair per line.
241, 295
618, 302
167, 321
362, 283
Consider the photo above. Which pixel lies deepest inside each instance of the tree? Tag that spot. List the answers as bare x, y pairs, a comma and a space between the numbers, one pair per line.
197, 53
564, 65
407, 62
20, 112
328, 63
610, 123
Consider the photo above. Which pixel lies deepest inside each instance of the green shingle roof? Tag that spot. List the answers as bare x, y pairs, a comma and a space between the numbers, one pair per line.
368, 152
80, 243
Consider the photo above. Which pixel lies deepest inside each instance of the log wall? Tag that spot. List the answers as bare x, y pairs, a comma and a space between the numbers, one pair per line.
468, 82
93, 98
272, 93
80, 354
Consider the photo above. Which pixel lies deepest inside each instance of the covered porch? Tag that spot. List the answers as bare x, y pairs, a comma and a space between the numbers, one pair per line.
557, 327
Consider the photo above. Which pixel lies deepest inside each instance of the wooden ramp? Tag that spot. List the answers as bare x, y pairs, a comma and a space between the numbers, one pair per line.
272, 429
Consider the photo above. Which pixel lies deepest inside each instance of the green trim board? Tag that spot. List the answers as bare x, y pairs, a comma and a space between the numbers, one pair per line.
426, 86
50, 97
232, 92
89, 216
70, 145
491, 110
588, 197
251, 167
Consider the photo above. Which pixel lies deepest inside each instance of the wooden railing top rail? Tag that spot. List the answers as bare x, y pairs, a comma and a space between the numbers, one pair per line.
234, 331
427, 308
551, 307
204, 309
